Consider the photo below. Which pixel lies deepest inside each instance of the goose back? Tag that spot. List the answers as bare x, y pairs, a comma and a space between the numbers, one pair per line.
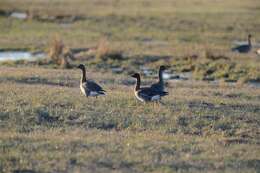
244, 48
147, 94
159, 86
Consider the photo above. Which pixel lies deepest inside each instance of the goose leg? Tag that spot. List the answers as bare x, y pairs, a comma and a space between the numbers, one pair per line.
162, 103
157, 103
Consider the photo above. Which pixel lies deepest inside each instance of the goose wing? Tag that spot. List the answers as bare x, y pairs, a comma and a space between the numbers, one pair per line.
149, 94
93, 86
157, 87
242, 48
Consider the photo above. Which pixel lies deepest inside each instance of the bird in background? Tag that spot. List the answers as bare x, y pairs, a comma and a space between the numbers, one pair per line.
245, 48
146, 94
159, 86
89, 87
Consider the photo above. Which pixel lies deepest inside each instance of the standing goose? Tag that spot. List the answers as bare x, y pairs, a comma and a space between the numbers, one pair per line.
146, 94
244, 48
89, 87
159, 86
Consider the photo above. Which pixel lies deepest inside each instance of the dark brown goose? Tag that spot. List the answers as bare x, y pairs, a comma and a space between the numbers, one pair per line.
89, 87
244, 48
146, 94
159, 86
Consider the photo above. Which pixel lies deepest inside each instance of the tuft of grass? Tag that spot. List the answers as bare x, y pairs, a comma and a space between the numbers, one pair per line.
59, 53
104, 52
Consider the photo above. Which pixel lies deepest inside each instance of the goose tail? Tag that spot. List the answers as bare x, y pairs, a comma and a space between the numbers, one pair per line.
164, 93
234, 49
103, 92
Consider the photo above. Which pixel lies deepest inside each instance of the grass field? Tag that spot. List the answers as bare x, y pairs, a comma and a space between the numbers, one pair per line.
47, 125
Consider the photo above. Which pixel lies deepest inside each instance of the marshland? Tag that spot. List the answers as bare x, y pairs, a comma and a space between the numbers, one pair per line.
209, 121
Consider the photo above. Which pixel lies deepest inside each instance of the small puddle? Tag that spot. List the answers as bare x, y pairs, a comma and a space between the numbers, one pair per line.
117, 70
177, 76
19, 15
254, 84
20, 55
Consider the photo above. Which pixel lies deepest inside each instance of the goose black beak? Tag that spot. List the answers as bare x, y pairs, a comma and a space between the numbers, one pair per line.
135, 75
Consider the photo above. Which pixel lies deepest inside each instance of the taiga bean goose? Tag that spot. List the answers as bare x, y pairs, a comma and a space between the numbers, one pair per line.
159, 86
244, 48
89, 87
146, 94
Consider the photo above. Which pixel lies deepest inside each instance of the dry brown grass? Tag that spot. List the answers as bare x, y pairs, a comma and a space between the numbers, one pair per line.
103, 48
54, 128
59, 53
48, 126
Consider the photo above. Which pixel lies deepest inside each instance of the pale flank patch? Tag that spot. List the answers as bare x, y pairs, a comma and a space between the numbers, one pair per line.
156, 97
93, 93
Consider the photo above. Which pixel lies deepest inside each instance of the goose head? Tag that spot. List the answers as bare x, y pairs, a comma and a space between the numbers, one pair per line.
249, 39
81, 66
162, 68
136, 75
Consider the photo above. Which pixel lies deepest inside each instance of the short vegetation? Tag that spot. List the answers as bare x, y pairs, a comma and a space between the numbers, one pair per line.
207, 124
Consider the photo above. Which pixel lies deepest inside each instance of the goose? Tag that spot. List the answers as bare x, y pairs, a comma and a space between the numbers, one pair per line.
89, 87
159, 86
146, 94
244, 48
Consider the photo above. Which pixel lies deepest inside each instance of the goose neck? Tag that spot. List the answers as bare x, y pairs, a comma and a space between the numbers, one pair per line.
83, 76
161, 76
249, 41
138, 83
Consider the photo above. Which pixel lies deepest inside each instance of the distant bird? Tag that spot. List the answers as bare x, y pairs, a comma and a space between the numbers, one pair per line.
146, 94
159, 86
244, 48
89, 87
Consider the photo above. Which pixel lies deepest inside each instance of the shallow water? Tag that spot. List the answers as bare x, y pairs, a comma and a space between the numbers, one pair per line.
19, 15
20, 55
254, 84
